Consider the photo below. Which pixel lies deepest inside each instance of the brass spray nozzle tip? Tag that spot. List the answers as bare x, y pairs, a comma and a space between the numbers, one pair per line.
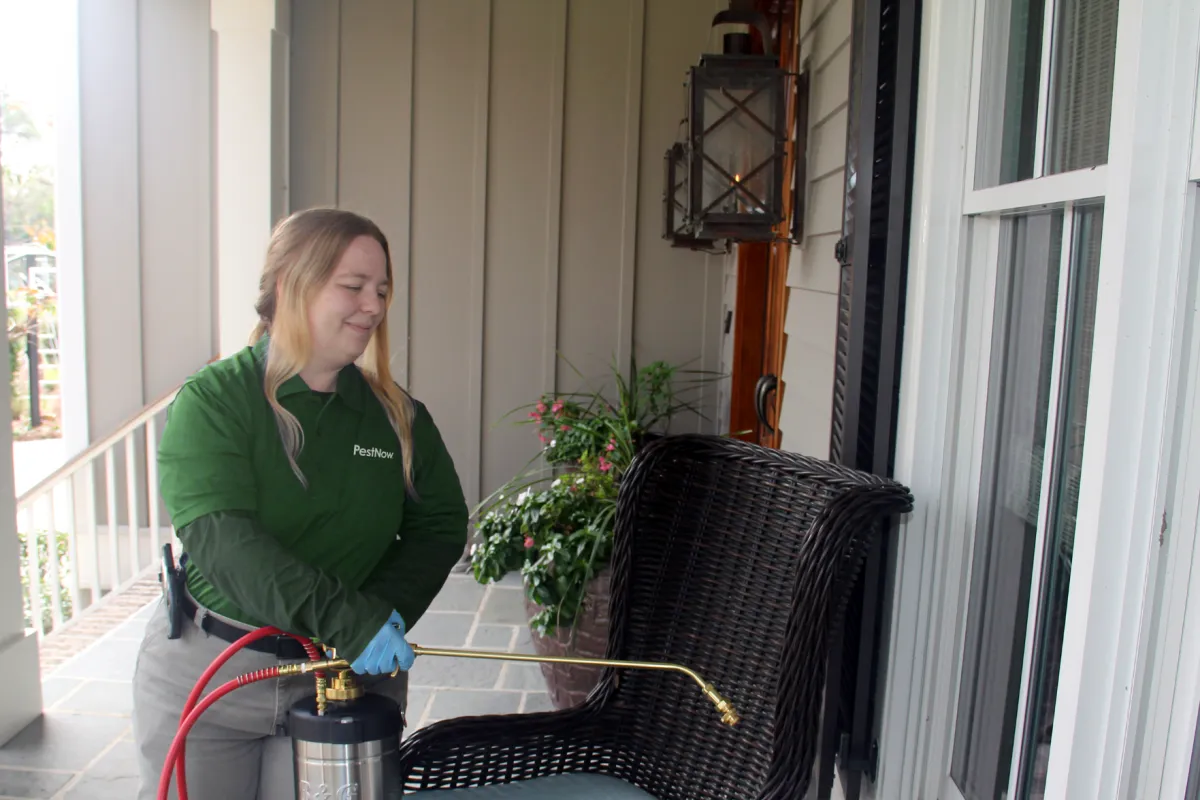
729, 714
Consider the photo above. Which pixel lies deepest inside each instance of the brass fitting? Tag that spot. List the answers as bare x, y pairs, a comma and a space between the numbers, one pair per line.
322, 686
343, 687
307, 667
729, 714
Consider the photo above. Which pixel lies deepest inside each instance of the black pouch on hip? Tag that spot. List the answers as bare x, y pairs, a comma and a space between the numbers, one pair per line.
172, 580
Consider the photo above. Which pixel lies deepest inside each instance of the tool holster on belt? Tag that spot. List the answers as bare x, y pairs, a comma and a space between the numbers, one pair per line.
173, 580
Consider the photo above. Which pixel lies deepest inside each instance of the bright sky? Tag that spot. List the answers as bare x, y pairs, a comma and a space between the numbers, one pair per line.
32, 41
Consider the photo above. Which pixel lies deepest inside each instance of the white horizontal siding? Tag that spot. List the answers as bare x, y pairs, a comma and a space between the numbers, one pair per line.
813, 272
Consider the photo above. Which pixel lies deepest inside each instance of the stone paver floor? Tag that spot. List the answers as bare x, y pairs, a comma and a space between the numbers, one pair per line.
99, 621
82, 746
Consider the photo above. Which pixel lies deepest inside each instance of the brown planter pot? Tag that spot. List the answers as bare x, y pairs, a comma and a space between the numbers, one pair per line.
570, 684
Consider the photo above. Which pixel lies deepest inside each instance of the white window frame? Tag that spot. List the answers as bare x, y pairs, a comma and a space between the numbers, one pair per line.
1159, 763
1138, 341
1194, 172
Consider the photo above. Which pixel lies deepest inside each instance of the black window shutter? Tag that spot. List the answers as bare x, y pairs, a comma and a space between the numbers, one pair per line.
873, 254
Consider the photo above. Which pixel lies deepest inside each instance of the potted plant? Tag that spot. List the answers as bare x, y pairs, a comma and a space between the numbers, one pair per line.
554, 522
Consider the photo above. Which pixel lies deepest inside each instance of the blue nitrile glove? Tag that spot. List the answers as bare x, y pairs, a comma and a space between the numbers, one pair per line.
386, 650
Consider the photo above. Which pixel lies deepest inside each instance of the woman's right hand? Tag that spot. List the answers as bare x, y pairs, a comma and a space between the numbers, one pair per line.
386, 651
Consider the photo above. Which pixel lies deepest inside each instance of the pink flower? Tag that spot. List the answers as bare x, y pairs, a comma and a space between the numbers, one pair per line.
535, 415
605, 464
612, 445
542, 438
557, 407
541, 407
566, 427
528, 542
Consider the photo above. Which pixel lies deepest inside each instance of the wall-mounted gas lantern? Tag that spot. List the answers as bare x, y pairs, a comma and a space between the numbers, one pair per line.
737, 133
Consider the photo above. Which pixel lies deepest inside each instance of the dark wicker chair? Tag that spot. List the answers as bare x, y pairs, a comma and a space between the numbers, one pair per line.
734, 560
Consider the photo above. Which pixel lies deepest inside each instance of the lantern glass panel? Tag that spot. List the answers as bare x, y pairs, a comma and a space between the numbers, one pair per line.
676, 227
738, 150
679, 194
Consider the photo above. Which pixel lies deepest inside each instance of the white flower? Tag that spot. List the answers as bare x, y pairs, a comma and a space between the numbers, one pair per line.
522, 497
556, 484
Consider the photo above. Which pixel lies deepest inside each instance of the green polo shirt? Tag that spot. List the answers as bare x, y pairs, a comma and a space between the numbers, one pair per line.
329, 560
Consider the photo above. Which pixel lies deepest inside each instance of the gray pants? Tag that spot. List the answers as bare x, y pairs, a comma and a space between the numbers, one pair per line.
237, 750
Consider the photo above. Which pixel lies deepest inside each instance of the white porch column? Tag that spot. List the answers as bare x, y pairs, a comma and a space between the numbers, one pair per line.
251, 134
18, 650
134, 205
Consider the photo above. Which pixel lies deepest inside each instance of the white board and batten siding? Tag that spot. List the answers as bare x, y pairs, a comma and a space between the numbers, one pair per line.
512, 152
814, 273
137, 233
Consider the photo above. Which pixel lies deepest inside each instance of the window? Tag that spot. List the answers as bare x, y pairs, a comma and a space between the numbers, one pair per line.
1081, 106
1055, 579
1045, 100
1025, 321
1034, 435
1043, 86
1046, 573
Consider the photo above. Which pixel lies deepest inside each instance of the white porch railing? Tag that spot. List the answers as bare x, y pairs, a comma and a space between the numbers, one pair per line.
93, 527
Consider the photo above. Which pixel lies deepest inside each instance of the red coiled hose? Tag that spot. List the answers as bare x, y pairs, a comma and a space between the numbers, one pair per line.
194, 707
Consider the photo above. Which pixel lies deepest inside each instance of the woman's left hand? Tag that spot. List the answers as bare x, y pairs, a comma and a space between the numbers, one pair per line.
386, 651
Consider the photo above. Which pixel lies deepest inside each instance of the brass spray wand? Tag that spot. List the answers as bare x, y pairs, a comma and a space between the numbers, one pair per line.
341, 689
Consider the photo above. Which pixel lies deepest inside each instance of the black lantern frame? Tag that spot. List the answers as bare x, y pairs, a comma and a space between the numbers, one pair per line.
752, 89
676, 227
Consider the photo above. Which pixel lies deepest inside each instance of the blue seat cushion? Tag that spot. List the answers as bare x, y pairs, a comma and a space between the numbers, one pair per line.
573, 786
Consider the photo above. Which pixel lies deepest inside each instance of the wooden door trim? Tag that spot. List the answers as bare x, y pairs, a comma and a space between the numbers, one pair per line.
749, 338
781, 249
759, 338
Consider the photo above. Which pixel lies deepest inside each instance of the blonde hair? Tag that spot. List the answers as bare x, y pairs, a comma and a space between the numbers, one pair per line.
303, 253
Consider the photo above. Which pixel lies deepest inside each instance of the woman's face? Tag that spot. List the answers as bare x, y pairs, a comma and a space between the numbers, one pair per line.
345, 312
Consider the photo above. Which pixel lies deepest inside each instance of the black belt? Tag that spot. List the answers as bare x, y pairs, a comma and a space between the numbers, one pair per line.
282, 647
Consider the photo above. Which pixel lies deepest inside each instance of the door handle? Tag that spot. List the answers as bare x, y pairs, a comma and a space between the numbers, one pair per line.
766, 385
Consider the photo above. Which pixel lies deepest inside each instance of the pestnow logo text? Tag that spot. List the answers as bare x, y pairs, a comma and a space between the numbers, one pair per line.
372, 452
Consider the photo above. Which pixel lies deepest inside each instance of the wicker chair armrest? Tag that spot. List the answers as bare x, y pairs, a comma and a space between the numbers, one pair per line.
478, 751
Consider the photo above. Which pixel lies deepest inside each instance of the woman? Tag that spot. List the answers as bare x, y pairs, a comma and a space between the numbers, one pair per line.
311, 494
